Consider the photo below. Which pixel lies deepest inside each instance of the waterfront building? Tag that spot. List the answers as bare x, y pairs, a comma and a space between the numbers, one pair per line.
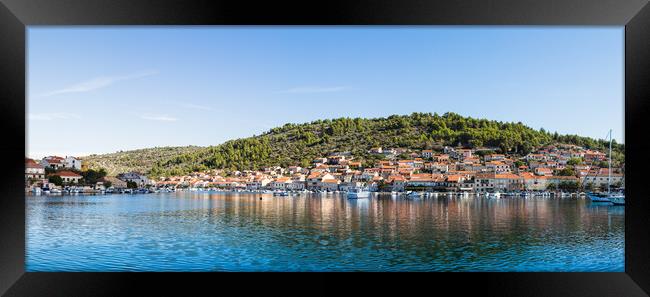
329, 184
34, 172
280, 183
313, 181
426, 180
397, 182
68, 176
600, 180
507, 182
296, 185
138, 178
533, 182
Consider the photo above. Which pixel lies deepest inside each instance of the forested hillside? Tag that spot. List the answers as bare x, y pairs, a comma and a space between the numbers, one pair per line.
299, 144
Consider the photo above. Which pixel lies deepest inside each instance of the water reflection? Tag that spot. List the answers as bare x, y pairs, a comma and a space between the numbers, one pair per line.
235, 232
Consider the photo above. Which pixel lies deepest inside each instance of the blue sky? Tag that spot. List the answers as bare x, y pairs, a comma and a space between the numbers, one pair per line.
99, 90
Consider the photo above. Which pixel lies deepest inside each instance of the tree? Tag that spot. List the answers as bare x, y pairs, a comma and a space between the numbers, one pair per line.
574, 161
92, 176
569, 186
131, 185
568, 171
108, 184
304, 163
55, 179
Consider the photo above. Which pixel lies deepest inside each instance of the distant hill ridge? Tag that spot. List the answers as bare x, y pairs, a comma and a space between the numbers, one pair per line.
299, 144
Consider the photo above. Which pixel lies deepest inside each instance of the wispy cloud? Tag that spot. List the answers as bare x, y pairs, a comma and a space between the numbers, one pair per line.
196, 106
312, 89
98, 83
52, 116
158, 117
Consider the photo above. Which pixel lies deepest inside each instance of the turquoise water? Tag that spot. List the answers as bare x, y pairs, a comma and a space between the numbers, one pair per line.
195, 231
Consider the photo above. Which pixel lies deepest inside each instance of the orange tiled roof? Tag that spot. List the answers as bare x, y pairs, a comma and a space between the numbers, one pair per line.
67, 174
331, 181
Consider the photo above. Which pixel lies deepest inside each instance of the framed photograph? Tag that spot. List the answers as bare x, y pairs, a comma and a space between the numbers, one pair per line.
498, 144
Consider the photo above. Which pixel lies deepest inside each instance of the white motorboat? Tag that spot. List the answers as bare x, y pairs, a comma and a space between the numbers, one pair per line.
414, 194
495, 195
356, 193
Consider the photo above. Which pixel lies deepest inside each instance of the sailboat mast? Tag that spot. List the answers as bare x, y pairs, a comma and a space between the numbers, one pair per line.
609, 170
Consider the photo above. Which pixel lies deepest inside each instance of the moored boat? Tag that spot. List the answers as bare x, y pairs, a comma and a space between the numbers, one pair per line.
414, 194
356, 193
617, 199
598, 197
495, 195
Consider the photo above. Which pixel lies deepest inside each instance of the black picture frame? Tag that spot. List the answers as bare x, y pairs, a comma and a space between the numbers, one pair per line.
15, 15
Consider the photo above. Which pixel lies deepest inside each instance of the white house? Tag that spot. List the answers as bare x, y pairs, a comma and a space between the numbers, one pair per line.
68, 176
280, 183
53, 162
296, 185
600, 180
72, 162
329, 184
34, 171
138, 178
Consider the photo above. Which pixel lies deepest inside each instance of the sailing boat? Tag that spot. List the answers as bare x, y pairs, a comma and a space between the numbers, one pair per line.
615, 198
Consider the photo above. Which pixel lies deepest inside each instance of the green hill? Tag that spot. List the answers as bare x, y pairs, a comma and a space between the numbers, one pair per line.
135, 160
299, 144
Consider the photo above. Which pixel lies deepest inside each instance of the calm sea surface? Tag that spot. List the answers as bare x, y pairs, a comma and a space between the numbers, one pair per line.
202, 231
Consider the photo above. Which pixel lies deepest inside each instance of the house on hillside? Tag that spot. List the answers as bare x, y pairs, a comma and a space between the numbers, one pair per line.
139, 179
73, 163
68, 176
34, 172
53, 162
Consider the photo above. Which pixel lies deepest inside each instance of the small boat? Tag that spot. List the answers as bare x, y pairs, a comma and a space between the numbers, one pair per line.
356, 193
495, 195
283, 193
414, 194
617, 199
598, 197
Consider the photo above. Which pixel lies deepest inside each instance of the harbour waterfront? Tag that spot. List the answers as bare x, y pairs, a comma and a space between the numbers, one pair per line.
207, 231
